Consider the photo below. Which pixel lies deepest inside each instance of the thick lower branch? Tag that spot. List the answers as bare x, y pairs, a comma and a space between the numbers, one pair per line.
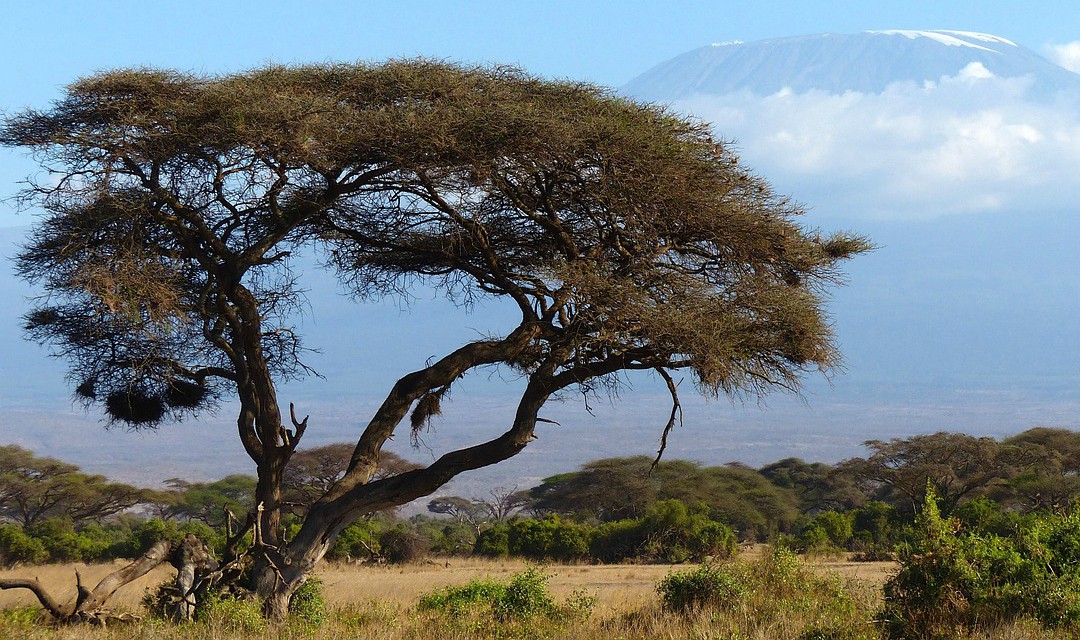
47, 601
93, 601
412, 386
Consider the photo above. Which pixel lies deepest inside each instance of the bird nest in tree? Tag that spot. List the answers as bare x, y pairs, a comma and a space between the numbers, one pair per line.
86, 389
135, 407
184, 394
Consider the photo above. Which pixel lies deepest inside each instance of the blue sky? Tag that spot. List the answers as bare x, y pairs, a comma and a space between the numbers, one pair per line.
47, 44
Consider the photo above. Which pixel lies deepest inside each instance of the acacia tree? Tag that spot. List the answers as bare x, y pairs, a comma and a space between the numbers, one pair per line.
957, 465
33, 488
625, 236
312, 472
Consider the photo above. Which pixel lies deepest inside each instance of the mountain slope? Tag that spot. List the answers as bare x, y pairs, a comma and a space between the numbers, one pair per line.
866, 62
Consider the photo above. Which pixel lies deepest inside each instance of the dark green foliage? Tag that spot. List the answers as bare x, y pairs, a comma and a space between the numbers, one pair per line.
549, 538
825, 532
16, 547
207, 501
494, 542
669, 532
524, 597
953, 581
707, 585
818, 486
621, 488
308, 603
876, 529
359, 540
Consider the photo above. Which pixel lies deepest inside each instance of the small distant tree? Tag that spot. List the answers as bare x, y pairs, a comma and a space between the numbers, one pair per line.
1045, 470
624, 236
312, 472
957, 467
33, 489
208, 501
498, 508
819, 486
625, 488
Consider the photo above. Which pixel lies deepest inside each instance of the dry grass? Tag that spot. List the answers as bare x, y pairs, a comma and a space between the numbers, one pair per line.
617, 587
378, 602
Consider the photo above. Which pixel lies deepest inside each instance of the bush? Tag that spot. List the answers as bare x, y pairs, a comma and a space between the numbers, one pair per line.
18, 547
234, 615
772, 594
59, 538
400, 544
308, 604
826, 532
550, 538
524, 598
358, 540
669, 532
953, 581
707, 585
493, 542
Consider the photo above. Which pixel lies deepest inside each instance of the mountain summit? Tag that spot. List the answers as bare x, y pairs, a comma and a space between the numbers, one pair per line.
866, 62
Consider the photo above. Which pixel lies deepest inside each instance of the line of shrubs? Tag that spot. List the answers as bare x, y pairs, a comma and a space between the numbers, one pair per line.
670, 531
59, 540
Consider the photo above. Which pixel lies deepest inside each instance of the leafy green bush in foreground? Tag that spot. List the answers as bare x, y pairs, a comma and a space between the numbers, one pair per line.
954, 581
523, 599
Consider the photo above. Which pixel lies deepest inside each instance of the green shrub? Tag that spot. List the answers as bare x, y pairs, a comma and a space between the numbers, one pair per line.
617, 541
457, 601
308, 604
18, 547
59, 538
525, 597
358, 540
707, 585
234, 615
669, 532
549, 538
493, 542
953, 581
876, 529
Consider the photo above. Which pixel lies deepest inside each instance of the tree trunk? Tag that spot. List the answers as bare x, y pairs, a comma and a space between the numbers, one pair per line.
268, 494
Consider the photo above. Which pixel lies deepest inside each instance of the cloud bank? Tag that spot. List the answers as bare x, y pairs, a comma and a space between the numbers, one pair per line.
966, 143
1066, 55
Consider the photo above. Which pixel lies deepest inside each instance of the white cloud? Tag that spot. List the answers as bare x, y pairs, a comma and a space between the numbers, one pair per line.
974, 71
1066, 55
966, 143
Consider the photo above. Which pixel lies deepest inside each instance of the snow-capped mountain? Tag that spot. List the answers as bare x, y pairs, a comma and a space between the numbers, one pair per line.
866, 62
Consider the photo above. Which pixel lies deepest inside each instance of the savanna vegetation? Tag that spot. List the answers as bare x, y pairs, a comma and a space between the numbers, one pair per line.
989, 555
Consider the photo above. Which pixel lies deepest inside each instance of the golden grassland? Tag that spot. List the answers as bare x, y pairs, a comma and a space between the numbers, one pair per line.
379, 602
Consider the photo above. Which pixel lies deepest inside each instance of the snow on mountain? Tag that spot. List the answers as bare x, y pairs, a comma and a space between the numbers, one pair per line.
865, 62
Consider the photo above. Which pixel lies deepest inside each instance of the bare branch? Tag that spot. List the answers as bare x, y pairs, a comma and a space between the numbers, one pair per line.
676, 412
